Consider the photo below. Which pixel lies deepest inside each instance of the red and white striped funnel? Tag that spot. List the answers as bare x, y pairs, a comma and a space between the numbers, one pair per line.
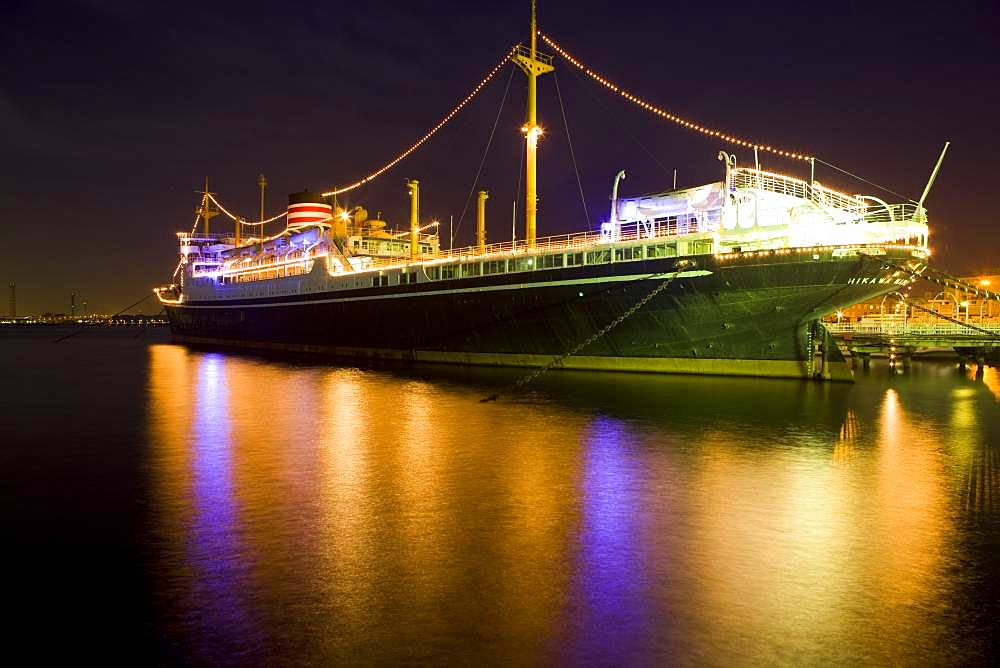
306, 208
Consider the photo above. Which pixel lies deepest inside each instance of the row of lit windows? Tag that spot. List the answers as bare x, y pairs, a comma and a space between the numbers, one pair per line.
556, 260
250, 277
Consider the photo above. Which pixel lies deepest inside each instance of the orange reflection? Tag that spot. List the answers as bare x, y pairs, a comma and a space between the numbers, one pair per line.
843, 450
991, 379
770, 533
912, 522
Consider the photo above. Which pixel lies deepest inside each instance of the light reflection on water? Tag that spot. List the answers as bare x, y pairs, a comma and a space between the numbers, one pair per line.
328, 513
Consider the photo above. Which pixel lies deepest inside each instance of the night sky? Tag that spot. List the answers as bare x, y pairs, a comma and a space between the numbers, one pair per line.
113, 113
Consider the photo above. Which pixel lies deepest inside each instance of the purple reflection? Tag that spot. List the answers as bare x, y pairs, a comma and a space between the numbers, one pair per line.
218, 562
611, 585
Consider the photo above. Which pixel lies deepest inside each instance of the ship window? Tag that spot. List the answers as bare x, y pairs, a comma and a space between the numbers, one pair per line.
549, 261
632, 253
494, 267
574, 259
599, 256
659, 250
471, 269
448, 271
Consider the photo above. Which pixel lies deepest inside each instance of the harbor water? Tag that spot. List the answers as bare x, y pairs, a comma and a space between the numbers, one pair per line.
167, 504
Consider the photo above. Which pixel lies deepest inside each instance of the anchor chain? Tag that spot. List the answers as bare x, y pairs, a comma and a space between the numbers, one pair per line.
940, 277
521, 382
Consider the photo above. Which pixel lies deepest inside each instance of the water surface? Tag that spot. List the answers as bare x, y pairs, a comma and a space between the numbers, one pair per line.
203, 506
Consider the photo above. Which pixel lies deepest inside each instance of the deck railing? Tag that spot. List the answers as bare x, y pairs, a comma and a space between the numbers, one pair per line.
863, 209
914, 328
698, 223
786, 185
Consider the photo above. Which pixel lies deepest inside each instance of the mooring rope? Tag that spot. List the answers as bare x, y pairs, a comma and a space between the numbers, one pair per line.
955, 282
524, 380
80, 331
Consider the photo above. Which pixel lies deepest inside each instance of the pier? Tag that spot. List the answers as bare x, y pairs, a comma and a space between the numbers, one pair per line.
900, 341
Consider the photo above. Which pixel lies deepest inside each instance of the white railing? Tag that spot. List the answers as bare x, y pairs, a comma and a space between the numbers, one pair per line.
974, 329
700, 223
786, 185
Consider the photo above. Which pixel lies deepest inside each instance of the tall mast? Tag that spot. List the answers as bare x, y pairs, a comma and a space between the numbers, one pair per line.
207, 211
262, 182
533, 67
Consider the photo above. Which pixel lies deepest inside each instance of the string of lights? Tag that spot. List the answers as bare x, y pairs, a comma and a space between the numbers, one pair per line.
710, 132
451, 114
222, 208
241, 219
194, 226
395, 161
197, 216
419, 229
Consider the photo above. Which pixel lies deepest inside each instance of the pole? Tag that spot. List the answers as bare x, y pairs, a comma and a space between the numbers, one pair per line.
615, 230
413, 187
927, 189
262, 182
531, 195
513, 225
532, 67
481, 221
205, 211
756, 196
675, 179
451, 231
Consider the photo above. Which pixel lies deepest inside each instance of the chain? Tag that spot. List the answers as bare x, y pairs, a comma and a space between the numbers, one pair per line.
521, 382
934, 276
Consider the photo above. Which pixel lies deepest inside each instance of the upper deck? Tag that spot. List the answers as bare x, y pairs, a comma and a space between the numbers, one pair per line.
751, 211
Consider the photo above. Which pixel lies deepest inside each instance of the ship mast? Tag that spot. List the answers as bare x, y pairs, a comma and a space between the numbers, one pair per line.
206, 211
528, 61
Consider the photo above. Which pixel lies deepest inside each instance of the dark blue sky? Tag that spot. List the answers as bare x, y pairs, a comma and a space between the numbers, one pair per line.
112, 114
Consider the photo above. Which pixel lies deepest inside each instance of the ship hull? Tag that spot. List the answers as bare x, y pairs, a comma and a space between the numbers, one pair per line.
746, 315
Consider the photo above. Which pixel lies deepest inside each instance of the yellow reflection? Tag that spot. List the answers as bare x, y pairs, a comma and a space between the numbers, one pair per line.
348, 531
982, 482
910, 494
773, 534
843, 450
991, 379
170, 410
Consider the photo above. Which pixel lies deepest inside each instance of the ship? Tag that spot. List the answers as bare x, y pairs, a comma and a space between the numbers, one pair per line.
731, 277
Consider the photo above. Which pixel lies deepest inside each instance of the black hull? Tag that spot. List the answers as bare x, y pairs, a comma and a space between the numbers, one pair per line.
746, 316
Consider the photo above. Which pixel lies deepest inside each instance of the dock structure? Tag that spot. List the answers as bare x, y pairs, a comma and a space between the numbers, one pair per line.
979, 343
